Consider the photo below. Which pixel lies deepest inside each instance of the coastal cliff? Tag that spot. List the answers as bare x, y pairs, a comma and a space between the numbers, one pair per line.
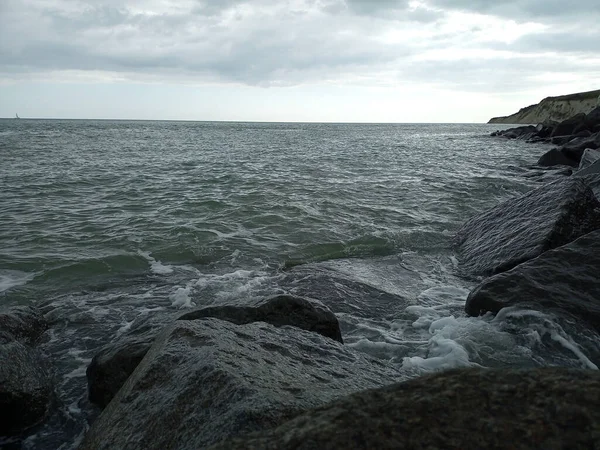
553, 108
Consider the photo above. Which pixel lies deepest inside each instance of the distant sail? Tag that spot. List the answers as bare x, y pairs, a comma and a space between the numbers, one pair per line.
17, 116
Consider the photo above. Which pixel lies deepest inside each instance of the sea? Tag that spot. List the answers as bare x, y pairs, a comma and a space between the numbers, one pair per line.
105, 223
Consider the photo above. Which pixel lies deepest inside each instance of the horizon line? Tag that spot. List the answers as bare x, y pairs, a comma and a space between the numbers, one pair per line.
245, 121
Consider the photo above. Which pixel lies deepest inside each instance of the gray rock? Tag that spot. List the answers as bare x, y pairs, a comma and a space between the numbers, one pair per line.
113, 364
207, 380
281, 310
22, 323
461, 409
565, 278
566, 127
574, 149
555, 157
594, 168
589, 157
25, 388
525, 227
524, 132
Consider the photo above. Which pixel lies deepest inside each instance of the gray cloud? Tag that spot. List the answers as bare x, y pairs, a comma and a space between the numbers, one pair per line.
273, 43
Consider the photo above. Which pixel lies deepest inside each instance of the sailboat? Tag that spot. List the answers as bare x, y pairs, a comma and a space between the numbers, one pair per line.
17, 116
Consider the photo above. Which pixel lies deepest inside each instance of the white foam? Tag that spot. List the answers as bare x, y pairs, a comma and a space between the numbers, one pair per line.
156, 266
12, 278
572, 346
181, 298
444, 354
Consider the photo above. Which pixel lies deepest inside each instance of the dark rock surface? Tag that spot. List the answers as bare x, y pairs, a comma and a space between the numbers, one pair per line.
110, 368
589, 157
555, 157
207, 380
524, 132
25, 388
112, 365
22, 323
567, 127
522, 228
592, 169
461, 409
281, 310
565, 278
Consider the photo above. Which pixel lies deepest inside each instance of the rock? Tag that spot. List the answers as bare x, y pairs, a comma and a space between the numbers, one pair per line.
564, 279
566, 127
560, 140
544, 130
111, 367
592, 169
25, 388
550, 408
575, 148
22, 323
591, 121
280, 310
589, 157
555, 157
524, 132
525, 227
207, 380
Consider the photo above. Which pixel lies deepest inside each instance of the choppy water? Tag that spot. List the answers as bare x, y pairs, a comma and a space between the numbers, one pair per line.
106, 222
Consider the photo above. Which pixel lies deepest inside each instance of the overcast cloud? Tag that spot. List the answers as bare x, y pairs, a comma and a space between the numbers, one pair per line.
511, 50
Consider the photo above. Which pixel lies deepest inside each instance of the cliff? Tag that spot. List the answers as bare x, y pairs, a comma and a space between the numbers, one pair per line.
553, 108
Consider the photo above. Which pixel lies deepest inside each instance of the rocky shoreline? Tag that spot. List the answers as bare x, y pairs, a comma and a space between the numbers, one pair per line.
276, 374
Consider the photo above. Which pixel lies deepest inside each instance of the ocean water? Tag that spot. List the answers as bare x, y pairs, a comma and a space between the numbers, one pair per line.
105, 223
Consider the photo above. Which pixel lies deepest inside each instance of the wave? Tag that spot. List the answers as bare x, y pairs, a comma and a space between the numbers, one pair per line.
365, 247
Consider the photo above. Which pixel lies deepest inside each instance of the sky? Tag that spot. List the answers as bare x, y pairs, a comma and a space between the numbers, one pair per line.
293, 60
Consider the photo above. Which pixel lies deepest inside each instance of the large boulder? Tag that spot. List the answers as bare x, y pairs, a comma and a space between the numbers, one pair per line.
525, 227
22, 323
567, 127
206, 380
574, 149
113, 364
565, 278
281, 310
25, 388
589, 157
591, 122
555, 157
524, 132
549, 408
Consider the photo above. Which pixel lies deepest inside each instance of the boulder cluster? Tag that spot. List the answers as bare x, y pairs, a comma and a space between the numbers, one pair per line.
573, 138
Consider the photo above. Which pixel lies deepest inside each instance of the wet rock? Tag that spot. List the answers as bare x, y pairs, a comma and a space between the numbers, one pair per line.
522, 228
111, 367
591, 121
592, 169
562, 279
524, 132
547, 408
25, 388
22, 323
555, 157
574, 149
589, 157
560, 140
207, 380
281, 310
567, 127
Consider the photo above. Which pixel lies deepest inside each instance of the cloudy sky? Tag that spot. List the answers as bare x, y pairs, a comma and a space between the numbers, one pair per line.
293, 60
